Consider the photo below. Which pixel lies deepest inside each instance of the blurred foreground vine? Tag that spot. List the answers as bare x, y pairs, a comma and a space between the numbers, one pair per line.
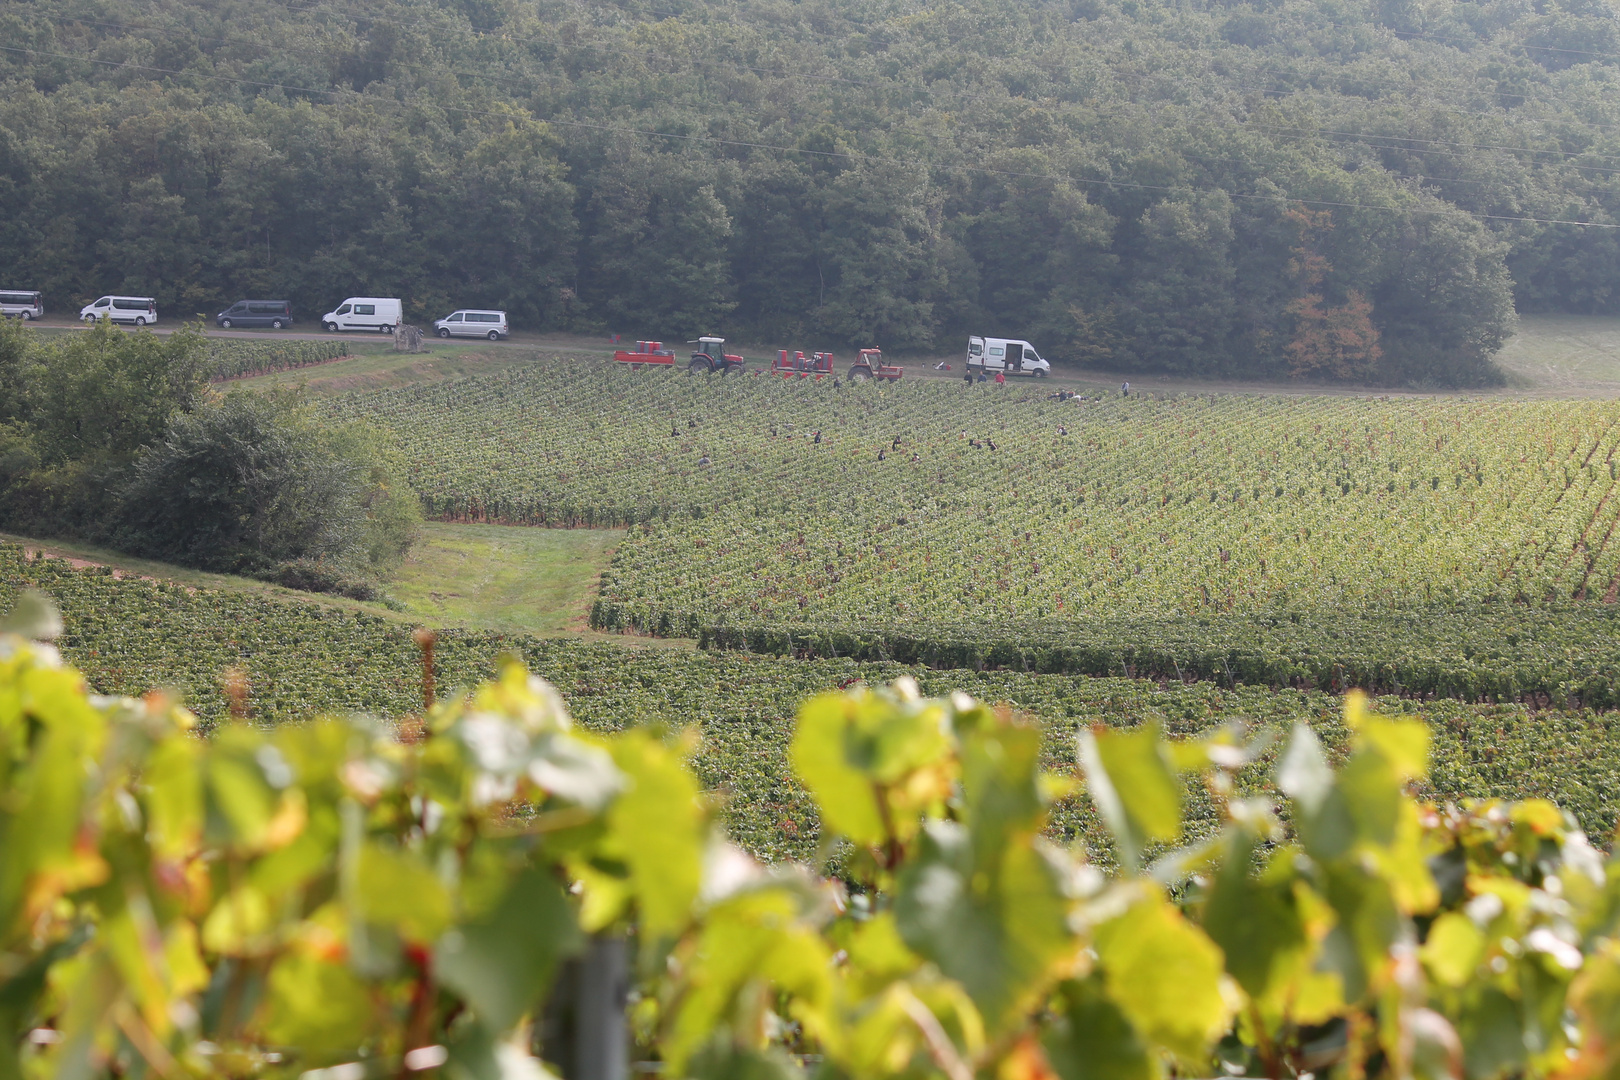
268, 902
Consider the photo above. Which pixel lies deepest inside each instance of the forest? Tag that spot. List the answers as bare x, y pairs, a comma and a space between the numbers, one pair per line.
1357, 189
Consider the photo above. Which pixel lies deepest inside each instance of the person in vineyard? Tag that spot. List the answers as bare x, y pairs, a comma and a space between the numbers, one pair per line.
1001, 378
1125, 388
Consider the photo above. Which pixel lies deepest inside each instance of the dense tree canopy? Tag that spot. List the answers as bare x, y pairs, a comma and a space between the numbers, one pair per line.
1120, 180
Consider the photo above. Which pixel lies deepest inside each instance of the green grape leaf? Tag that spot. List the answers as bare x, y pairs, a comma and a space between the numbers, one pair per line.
661, 830
1255, 921
1166, 975
1001, 795
33, 615
401, 892
1303, 774
503, 961
1133, 786
1453, 949
1091, 1038
872, 762
997, 927
475, 1054
320, 1008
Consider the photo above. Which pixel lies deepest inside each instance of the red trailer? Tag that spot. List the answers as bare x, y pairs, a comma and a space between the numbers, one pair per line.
816, 365
647, 352
870, 365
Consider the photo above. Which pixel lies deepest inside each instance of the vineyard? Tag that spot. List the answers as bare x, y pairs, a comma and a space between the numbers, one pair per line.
130, 635
1243, 538
228, 359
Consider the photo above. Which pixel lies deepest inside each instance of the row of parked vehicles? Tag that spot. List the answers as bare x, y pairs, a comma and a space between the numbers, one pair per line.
1012, 356
376, 313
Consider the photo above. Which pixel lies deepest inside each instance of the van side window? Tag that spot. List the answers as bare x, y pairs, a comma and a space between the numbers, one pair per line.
997, 350
344, 310
454, 318
104, 301
365, 309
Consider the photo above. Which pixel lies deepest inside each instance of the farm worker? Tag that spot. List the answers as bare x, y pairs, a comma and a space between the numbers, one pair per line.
1001, 378
968, 377
1125, 388
982, 376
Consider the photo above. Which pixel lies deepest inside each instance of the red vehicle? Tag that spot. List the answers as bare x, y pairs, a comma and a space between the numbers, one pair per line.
647, 352
869, 365
711, 355
817, 365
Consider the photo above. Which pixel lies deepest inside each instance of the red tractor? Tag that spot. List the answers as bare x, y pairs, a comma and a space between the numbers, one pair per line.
647, 352
869, 365
816, 365
710, 355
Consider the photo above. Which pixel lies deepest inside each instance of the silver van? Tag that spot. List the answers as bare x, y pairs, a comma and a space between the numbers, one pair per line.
469, 322
24, 305
135, 310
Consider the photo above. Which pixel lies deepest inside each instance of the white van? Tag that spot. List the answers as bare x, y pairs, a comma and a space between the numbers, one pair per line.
24, 305
364, 313
470, 323
1011, 355
135, 310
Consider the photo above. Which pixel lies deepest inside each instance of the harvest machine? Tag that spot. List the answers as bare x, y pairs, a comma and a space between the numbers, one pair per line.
816, 365
710, 355
869, 365
646, 352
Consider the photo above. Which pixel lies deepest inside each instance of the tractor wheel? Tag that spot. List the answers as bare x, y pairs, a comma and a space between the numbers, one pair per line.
699, 366
859, 374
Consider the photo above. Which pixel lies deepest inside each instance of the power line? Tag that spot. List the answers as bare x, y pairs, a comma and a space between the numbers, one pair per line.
851, 156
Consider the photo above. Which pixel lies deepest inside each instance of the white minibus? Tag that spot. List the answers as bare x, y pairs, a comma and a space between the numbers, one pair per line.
24, 305
135, 310
469, 322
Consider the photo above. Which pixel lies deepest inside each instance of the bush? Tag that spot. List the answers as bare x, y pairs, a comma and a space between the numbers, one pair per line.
252, 484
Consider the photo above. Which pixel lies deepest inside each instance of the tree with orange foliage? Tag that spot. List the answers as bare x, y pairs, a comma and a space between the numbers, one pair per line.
1336, 342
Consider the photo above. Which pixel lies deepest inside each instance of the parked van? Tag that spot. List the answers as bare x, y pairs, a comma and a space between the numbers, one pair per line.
364, 313
1006, 354
24, 305
470, 323
272, 313
136, 310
